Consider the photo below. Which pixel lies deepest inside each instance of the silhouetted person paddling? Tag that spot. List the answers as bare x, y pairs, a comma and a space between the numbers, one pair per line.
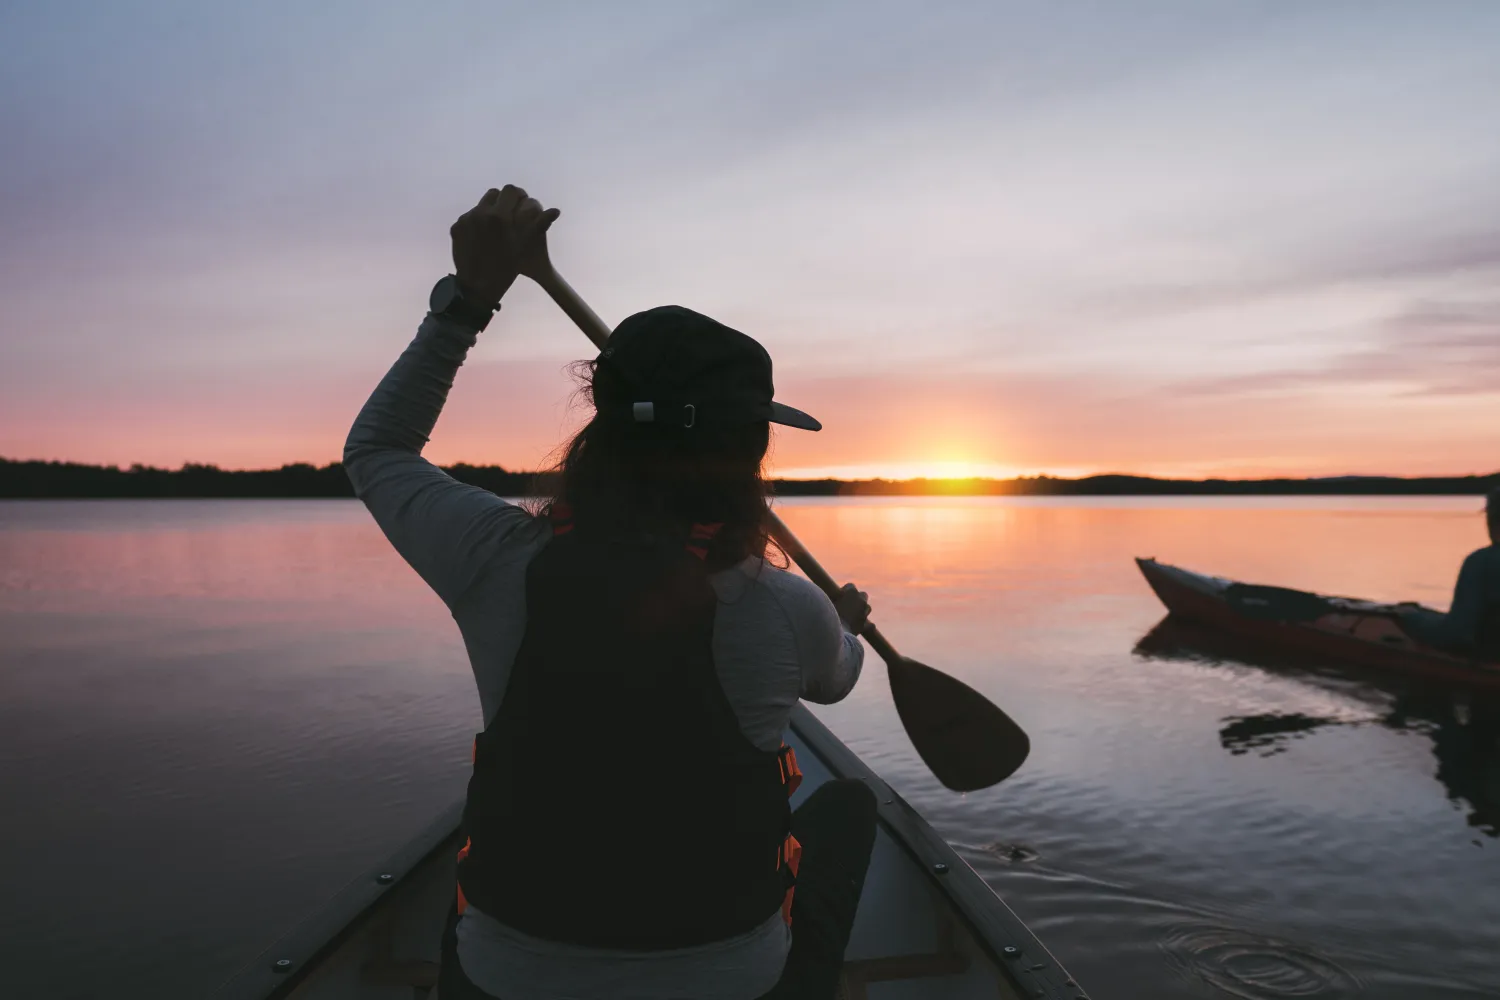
1472, 624
638, 659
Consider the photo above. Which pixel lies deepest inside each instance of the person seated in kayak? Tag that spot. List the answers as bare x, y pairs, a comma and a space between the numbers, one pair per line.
1472, 623
637, 657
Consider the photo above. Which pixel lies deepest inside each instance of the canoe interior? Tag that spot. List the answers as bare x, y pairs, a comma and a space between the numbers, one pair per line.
1341, 628
928, 928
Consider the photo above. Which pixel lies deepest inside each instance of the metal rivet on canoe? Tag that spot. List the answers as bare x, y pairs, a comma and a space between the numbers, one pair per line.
385, 878
282, 965
940, 868
1011, 951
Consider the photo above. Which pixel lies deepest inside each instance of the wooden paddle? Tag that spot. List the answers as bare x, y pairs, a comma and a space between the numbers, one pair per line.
965, 740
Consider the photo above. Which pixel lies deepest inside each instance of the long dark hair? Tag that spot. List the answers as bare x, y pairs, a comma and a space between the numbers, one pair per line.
619, 477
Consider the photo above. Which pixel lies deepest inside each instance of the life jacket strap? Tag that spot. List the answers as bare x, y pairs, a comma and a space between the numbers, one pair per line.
700, 535
789, 854
561, 516
791, 774
788, 860
463, 852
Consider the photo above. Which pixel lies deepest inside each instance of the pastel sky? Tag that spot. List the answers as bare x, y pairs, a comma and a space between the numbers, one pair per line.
1178, 238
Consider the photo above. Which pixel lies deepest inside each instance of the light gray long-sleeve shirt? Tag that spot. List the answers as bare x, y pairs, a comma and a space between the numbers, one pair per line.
776, 638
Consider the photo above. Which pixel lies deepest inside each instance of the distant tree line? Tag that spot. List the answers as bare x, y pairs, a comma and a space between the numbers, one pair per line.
57, 480
1121, 485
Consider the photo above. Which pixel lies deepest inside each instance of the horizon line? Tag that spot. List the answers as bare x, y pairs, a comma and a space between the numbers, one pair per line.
1068, 475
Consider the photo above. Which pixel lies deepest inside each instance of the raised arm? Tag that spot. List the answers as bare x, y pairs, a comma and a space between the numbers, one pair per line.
445, 529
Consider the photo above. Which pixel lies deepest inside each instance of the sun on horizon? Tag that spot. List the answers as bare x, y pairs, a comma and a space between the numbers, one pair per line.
916, 470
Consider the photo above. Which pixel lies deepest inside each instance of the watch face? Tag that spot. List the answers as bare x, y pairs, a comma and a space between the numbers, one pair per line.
444, 293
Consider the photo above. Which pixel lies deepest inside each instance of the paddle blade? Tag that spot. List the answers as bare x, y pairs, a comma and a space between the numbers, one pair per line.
966, 741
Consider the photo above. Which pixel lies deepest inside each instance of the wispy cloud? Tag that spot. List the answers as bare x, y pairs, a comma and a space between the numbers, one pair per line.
1431, 348
1019, 234
1377, 259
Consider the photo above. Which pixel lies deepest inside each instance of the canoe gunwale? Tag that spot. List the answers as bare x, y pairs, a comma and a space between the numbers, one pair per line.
326, 928
1031, 969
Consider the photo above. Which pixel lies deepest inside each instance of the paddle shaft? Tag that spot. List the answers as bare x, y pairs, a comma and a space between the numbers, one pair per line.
596, 330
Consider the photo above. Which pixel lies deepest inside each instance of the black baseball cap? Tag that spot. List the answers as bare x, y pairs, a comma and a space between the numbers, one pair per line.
683, 369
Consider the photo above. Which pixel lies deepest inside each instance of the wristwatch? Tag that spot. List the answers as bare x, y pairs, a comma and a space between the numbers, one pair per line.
448, 300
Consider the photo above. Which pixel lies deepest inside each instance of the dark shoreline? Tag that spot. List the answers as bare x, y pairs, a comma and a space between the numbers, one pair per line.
69, 480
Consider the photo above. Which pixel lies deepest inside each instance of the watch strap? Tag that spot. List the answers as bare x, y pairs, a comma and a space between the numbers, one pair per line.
459, 307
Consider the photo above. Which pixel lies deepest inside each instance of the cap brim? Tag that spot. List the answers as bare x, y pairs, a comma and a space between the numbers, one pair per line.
793, 417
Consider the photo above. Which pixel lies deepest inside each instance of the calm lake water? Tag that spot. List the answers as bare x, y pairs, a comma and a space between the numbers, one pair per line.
215, 713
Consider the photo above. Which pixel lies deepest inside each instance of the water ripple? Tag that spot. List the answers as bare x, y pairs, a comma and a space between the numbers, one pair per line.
1253, 966
1011, 852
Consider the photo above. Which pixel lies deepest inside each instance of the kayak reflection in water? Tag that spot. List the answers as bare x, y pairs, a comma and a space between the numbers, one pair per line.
629, 831
1465, 743
1472, 624
1464, 727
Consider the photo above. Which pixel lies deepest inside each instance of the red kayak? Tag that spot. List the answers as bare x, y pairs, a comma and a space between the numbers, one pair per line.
1339, 628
